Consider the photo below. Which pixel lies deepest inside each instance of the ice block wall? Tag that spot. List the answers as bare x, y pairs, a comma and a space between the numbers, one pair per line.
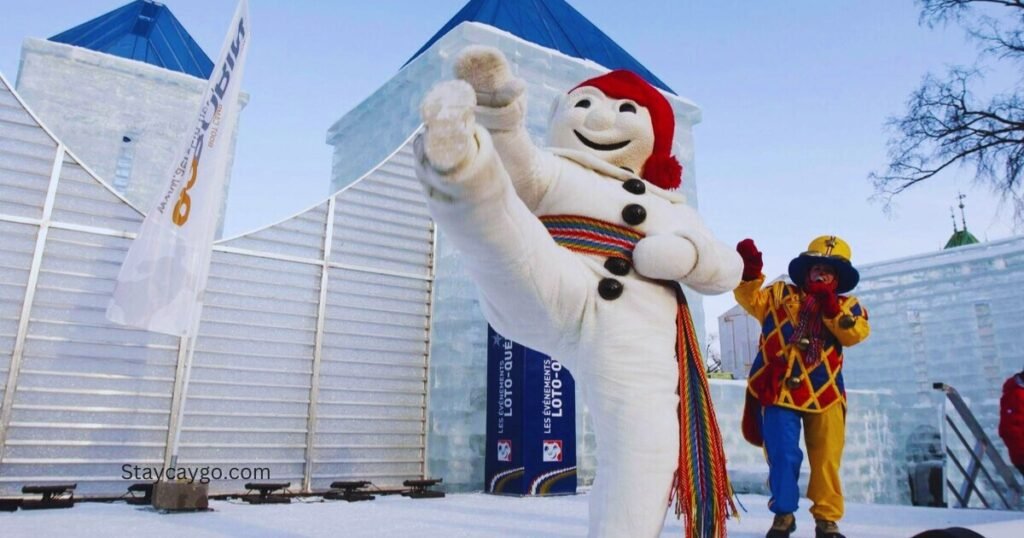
868, 470
955, 316
126, 120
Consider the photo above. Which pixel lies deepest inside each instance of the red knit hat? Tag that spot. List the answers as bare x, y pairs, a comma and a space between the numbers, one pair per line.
661, 168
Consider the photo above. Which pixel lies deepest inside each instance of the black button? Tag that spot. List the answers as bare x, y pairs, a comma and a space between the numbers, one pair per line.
609, 289
634, 214
617, 266
635, 186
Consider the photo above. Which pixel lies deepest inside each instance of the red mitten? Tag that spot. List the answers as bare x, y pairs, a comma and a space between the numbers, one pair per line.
825, 295
752, 262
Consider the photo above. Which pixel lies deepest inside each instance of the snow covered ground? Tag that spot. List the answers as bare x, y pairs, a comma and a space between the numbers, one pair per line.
464, 515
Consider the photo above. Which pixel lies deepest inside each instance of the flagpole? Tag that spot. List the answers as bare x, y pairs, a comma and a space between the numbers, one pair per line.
190, 350
204, 273
162, 281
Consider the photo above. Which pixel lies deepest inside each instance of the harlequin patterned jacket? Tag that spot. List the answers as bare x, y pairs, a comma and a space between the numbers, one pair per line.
812, 388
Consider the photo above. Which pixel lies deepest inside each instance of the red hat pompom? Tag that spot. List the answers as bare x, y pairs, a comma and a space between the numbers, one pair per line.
661, 168
663, 171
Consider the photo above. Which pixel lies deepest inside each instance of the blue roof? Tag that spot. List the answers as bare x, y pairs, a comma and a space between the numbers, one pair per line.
145, 31
549, 23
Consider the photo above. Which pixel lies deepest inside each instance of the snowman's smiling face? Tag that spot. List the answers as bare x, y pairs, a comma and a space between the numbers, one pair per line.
617, 131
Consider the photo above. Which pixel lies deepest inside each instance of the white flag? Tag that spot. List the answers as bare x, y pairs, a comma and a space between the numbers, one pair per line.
160, 281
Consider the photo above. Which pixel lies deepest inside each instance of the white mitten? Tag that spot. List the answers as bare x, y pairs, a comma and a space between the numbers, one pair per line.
447, 113
486, 69
664, 257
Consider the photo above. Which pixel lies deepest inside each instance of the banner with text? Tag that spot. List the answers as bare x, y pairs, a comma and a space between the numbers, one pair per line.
161, 280
531, 422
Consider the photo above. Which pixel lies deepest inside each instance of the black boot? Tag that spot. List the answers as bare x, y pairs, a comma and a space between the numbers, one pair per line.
782, 527
826, 529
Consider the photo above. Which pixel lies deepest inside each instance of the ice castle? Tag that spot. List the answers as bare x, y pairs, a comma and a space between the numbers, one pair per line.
118, 90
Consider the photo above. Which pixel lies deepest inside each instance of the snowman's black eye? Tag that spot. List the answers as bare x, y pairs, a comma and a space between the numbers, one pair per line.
583, 103
627, 107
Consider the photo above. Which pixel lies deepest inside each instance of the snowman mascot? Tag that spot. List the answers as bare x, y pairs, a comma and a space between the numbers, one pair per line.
576, 251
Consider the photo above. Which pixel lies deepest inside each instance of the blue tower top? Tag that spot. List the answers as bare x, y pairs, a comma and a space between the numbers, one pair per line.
549, 23
145, 31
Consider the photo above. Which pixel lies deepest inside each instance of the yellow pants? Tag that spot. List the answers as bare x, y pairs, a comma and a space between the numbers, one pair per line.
824, 436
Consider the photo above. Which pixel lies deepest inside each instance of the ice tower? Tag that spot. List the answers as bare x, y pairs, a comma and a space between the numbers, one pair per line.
121, 90
552, 47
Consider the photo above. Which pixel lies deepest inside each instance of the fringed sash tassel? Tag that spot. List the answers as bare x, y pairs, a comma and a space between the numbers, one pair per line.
703, 494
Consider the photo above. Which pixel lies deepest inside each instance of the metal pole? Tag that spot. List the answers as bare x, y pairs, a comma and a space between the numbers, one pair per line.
430, 323
944, 439
968, 483
26, 306
186, 352
173, 424
321, 314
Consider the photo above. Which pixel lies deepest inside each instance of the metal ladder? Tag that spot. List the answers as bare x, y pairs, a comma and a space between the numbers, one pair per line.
978, 451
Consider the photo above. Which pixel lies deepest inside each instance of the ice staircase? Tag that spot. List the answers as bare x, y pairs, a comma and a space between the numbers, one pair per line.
1003, 490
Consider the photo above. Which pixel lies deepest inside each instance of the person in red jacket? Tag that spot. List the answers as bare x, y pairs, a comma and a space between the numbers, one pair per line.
1011, 419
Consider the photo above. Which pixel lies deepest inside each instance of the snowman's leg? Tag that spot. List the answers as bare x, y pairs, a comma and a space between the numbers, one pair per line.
637, 452
532, 290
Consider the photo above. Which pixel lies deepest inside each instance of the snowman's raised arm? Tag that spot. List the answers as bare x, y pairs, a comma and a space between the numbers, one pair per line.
516, 265
501, 109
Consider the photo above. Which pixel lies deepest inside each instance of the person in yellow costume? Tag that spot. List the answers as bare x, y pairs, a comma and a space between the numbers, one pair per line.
797, 378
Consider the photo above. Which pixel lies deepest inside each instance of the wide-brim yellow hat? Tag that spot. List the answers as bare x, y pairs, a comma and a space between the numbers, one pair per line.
827, 250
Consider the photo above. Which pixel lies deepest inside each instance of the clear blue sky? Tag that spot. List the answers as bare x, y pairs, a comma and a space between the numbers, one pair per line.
794, 94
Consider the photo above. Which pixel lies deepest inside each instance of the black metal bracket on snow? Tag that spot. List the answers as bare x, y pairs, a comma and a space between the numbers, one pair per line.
265, 489
350, 491
54, 496
420, 488
145, 488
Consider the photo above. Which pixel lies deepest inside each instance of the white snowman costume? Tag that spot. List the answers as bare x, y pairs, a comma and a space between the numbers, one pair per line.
612, 324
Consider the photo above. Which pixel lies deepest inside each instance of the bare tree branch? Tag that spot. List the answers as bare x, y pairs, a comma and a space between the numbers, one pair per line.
946, 125
997, 42
936, 12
